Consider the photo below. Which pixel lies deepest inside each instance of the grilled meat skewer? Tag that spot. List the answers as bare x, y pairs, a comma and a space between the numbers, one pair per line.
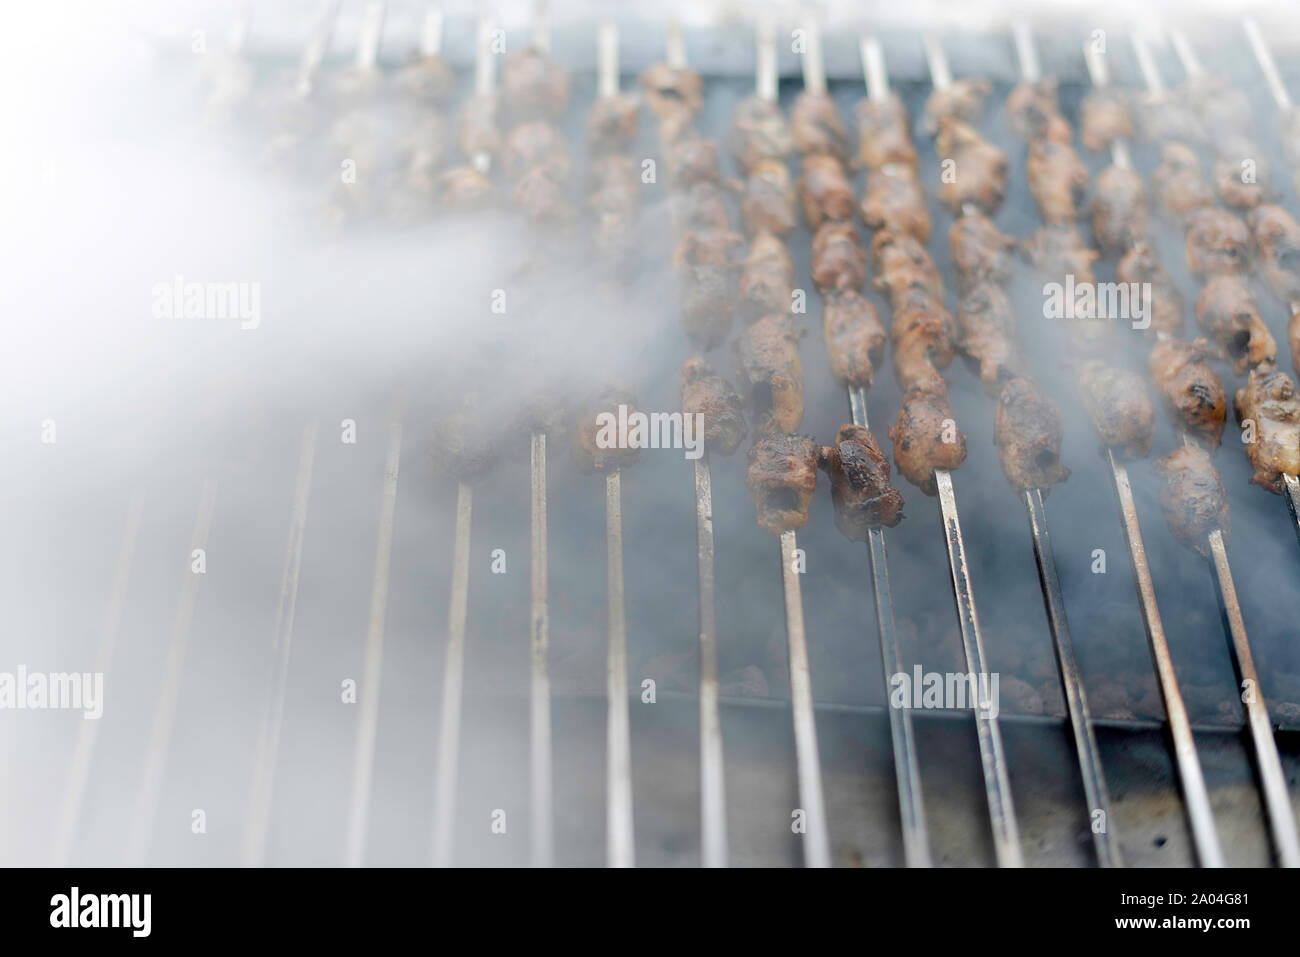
1028, 432
825, 191
1193, 391
978, 175
1119, 210
1140, 265
816, 127
767, 279
855, 339
962, 100
706, 393
989, 340
925, 435
860, 488
1276, 236
1104, 118
1270, 402
884, 133
770, 373
980, 252
759, 131
782, 477
1119, 405
1228, 313
895, 202
1193, 498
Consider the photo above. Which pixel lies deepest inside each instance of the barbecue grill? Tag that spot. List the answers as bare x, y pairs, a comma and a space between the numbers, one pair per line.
523, 667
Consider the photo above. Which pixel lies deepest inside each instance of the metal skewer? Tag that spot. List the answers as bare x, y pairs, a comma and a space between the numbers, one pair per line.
314, 54
997, 784
620, 847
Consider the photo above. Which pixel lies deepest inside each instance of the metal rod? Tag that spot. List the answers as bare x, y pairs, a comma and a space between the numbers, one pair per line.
1267, 64
765, 59
453, 684
814, 66
87, 731
676, 44
541, 30
1147, 64
146, 808
1186, 55
543, 842
372, 26
607, 60
363, 755
873, 69
620, 847
268, 738
1030, 71
713, 804
317, 43
1291, 490
431, 31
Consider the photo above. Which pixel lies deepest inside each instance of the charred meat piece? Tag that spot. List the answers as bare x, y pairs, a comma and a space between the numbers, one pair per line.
1218, 243
766, 280
838, 260
1027, 432
536, 146
926, 436
1180, 186
825, 191
1227, 312
902, 264
1242, 175
1192, 390
1277, 244
860, 489
1057, 179
427, 80
674, 94
702, 208
708, 394
896, 202
1030, 105
921, 327
961, 100
988, 336
978, 171
769, 202
1119, 405
692, 160
542, 199
770, 373
1119, 210
1059, 251
463, 188
477, 132
1140, 265
817, 128
611, 125
706, 277
1270, 401
595, 443
782, 477
1224, 110
884, 133
536, 85
1193, 498
1104, 118
980, 251
613, 200
1169, 119
759, 131
462, 446
855, 339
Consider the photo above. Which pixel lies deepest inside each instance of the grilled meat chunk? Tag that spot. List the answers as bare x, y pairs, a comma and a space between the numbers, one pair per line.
594, 448
1243, 177
427, 80
961, 100
926, 436
674, 94
860, 489
922, 327
536, 146
979, 170
536, 85
1119, 405
838, 259
769, 202
1192, 390
691, 160
1119, 210
612, 123
1218, 243
706, 279
1169, 119
770, 373
1140, 265
702, 208
542, 199
1227, 312
1031, 105
1180, 185
477, 132
1027, 432
825, 191
782, 477
988, 336
759, 131
855, 339
706, 393
1277, 244
1104, 118
766, 280
463, 189
901, 264
1057, 179
981, 253
463, 445
896, 202
884, 133
1269, 400
613, 199
817, 128
1224, 110
1194, 500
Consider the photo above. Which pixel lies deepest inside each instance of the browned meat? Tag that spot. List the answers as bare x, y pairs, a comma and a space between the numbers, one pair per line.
1194, 500
477, 132
1103, 118
1192, 390
902, 264
536, 85
463, 188
1168, 119
817, 128
824, 190
962, 100
838, 259
613, 200
782, 477
919, 317
427, 80
706, 277
860, 489
611, 125
1030, 105
896, 202
978, 173
674, 95
1179, 184
766, 281
1119, 210
1243, 177
1140, 265
855, 339
926, 436
770, 373
1119, 405
769, 202
1059, 251
701, 207
884, 133
692, 160
462, 445
1289, 133
981, 253
1224, 111
595, 444
544, 408
536, 146
1027, 432
1227, 312
1218, 243
1277, 250
708, 394
1057, 179
542, 199
988, 336
1269, 401
759, 131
